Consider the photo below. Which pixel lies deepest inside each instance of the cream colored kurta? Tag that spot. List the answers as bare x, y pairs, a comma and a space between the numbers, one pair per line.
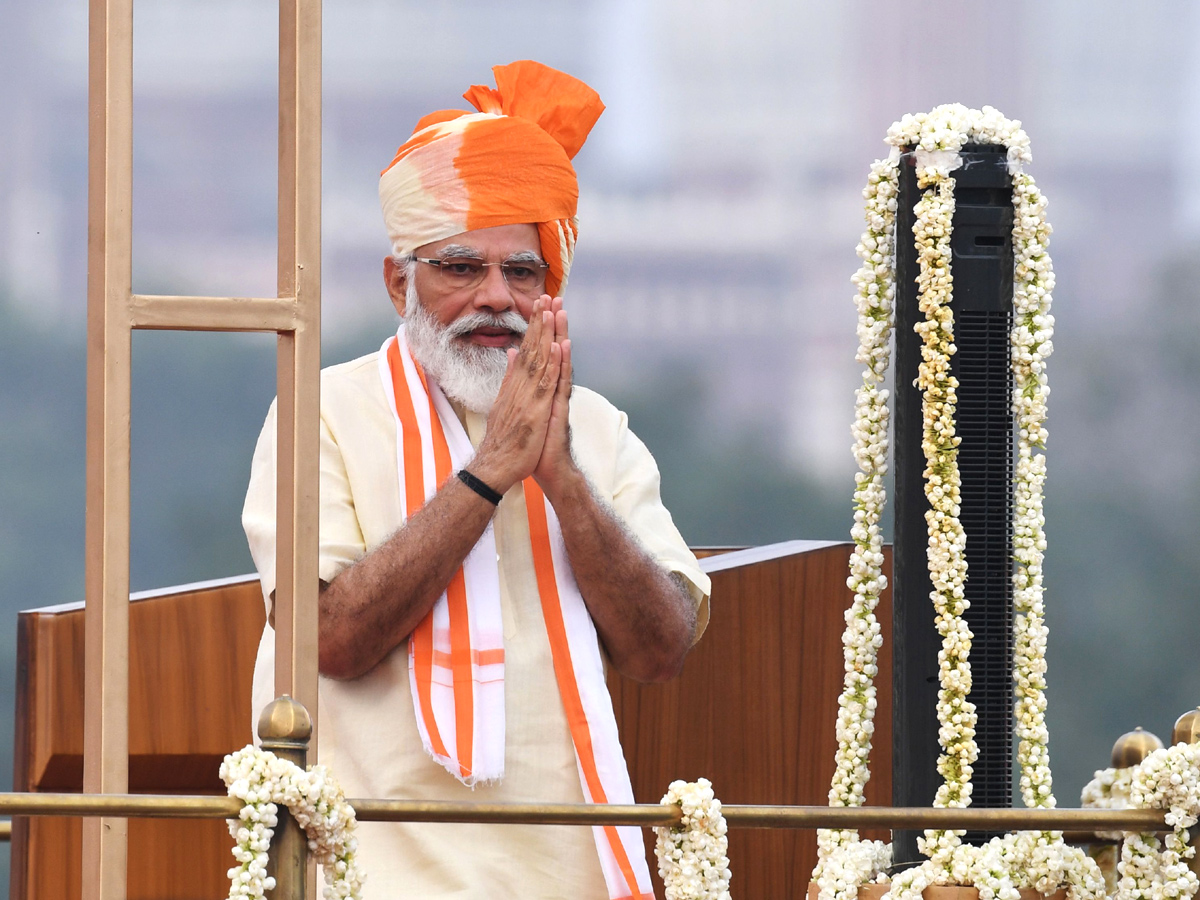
368, 734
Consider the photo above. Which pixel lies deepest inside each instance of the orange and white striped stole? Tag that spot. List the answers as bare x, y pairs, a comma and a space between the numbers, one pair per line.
456, 654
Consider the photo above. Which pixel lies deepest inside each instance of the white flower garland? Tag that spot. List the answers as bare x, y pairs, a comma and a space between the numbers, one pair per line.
261, 780
947, 548
1030, 859
1168, 778
692, 855
843, 861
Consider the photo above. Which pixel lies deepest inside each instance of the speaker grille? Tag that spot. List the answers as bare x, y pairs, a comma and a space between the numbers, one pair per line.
985, 461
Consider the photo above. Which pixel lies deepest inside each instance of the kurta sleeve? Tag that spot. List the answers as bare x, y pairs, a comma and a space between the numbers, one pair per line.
341, 539
637, 500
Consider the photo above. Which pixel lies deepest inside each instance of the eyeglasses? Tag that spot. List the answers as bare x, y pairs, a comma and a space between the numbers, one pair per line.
462, 272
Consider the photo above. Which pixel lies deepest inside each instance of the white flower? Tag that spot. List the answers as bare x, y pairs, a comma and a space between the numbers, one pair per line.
261, 780
692, 856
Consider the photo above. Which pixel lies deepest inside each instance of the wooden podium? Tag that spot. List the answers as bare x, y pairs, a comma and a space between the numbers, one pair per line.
753, 711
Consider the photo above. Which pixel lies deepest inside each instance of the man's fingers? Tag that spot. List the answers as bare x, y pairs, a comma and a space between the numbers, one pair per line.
533, 334
535, 344
550, 375
560, 325
562, 393
545, 341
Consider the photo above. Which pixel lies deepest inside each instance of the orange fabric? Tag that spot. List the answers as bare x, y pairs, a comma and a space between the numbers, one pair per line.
536, 182
456, 598
414, 492
478, 657
511, 164
548, 239
562, 106
564, 670
424, 135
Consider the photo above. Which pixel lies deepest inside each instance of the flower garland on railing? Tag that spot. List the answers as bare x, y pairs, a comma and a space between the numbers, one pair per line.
1168, 778
261, 780
692, 855
1029, 859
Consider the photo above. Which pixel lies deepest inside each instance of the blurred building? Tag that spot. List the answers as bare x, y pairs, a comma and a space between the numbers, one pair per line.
720, 191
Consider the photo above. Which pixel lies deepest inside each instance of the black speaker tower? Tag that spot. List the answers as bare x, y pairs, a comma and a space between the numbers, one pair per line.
982, 269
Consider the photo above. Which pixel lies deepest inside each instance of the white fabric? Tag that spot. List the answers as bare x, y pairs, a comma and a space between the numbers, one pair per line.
483, 590
483, 602
602, 723
367, 732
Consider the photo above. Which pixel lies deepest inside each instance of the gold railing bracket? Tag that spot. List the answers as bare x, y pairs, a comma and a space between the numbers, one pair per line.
1187, 728
285, 725
285, 728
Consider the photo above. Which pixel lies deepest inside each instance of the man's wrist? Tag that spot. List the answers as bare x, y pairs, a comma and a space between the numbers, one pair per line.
566, 485
490, 472
480, 487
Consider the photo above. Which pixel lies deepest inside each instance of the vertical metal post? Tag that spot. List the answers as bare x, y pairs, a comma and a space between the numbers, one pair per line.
285, 729
299, 351
112, 312
110, 177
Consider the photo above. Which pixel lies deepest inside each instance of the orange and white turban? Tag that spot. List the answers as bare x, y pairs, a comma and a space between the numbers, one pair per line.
507, 164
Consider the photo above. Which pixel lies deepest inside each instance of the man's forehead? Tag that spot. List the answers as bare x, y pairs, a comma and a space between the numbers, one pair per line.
500, 239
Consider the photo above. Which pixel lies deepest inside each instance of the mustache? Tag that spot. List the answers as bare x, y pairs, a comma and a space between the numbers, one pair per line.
510, 321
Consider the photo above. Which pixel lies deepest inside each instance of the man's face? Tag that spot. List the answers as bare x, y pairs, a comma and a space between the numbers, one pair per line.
492, 296
459, 327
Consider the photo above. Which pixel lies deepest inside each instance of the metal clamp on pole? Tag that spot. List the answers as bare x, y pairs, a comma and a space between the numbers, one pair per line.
285, 728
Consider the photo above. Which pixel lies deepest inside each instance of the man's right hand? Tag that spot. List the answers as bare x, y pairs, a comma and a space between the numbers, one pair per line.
518, 421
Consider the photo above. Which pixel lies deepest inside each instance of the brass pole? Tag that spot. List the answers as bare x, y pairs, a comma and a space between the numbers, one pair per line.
285, 728
141, 806
1078, 822
739, 816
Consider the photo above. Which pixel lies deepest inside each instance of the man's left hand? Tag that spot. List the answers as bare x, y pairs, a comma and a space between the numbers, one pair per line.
556, 468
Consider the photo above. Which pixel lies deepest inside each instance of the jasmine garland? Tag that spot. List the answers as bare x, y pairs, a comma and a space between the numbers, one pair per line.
691, 855
1006, 864
261, 780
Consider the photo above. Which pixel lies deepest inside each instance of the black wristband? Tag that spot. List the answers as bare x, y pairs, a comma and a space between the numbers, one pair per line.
482, 488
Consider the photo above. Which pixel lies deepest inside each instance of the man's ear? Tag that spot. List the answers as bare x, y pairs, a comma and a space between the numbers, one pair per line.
395, 277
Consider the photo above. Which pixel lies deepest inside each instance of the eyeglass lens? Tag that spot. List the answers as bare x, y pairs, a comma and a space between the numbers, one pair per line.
464, 272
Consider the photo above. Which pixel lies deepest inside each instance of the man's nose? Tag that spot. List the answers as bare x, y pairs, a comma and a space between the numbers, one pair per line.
493, 292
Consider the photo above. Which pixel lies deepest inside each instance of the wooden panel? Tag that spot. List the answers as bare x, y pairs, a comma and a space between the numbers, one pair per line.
180, 859
755, 709
705, 552
179, 723
191, 664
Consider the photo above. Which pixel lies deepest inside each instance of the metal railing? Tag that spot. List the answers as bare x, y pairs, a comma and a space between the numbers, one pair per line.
285, 729
646, 815
745, 816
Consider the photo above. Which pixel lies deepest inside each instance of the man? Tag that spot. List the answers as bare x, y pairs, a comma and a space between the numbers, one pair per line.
485, 529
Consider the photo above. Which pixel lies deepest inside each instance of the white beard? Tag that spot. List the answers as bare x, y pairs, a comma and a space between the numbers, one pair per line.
465, 372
